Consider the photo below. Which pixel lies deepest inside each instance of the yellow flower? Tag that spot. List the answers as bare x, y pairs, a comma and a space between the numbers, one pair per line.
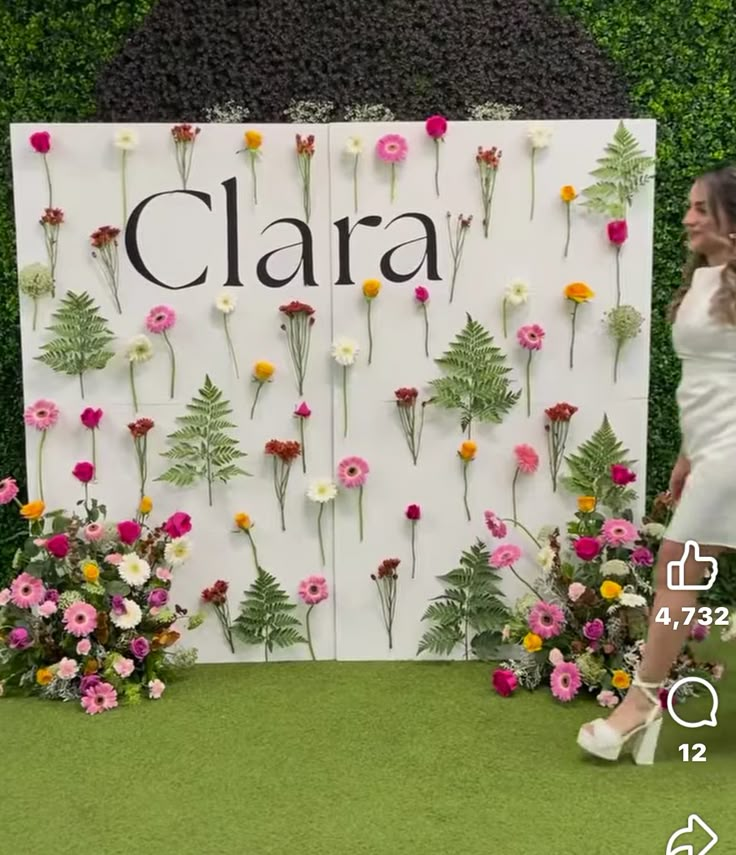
371, 287
91, 571
620, 679
44, 676
578, 292
145, 506
532, 642
568, 193
33, 510
586, 504
243, 521
263, 370
253, 140
610, 590
467, 450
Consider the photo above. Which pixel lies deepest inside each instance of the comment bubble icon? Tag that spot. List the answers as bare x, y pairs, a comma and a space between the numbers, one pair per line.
711, 721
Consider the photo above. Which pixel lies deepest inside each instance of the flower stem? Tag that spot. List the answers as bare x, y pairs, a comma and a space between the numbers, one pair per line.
572, 337
529, 384
319, 533
618, 275
513, 497
81, 384
345, 399
504, 315
531, 212
40, 464
360, 510
173, 365
567, 241
309, 634
355, 182
123, 160
426, 329
523, 528
304, 450
615, 361
132, 386
393, 182
253, 174
253, 550
465, 490
255, 399
524, 582
94, 451
230, 346
437, 167
35, 312
413, 549
48, 180
370, 334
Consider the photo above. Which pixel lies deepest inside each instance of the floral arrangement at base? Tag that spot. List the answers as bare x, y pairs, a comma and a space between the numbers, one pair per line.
89, 618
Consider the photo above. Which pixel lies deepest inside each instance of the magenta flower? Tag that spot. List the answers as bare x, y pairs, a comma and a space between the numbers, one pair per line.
622, 475
619, 532
421, 295
128, 531
594, 629
84, 471
27, 591
618, 232
158, 598
352, 473
139, 647
178, 524
159, 321
546, 619
8, 490
413, 513
313, 590
302, 412
80, 619
42, 415
642, 557
504, 681
41, 143
99, 698
527, 461
58, 545
587, 548
392, 149
19, 638
91, 419
495, 525
530, 338
698, 632
436, 127
565, 681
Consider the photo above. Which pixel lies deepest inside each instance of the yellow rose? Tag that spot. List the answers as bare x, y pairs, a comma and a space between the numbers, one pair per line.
263, 370
532, 642
243, 521
568, 193
145, 506
586, 504
620, 679
33, 510
610, 590
91, 571
468, 449
371, 287
253, 140
44, 676
578, 292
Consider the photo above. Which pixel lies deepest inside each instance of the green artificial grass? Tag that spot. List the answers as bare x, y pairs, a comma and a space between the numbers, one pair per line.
333, 758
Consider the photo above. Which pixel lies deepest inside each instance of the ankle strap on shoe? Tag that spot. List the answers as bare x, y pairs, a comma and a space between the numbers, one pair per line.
647, 688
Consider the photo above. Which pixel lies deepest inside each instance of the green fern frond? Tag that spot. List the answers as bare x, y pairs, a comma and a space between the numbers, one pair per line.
81, 338
201, 447
477, 384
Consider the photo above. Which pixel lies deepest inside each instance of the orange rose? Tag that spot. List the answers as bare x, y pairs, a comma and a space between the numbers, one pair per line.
467, 450
253, 140
371, 287
586, 504
33, 510
568, 193
578, 292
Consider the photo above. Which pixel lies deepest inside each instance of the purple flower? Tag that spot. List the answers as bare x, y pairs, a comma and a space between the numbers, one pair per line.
593, 629
699, 632
19, 638
642, 556
158, 597
52, 596
89, 682
118, 604
140, 647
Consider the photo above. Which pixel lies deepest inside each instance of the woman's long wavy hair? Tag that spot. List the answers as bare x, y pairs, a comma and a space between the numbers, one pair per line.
720, 187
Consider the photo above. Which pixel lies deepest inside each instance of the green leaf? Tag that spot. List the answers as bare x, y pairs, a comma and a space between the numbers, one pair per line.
265, 615
116, 586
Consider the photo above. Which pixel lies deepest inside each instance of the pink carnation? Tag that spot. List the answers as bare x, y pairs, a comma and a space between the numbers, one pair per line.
575, 591
607, 698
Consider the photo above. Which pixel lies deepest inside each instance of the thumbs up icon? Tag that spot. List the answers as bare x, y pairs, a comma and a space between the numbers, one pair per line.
688, 848
676, 570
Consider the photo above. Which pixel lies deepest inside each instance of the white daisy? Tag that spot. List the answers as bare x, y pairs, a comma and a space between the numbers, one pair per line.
225, 302
354, 146
539, 135
345, 350
126, 139
546, 558
615, 567
517, 292
139, 349
130, 618
134, 570
178, 551
322, 490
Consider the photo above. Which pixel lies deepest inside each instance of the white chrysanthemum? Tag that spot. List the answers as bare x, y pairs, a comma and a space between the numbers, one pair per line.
139, 349
517, 292
345, 350
126, 139
134, 570
729, 633
546, 558
655, 530
539, 135
131, 618
178, 551
615, 567
631, 600
354, 145
225, 302
322, 490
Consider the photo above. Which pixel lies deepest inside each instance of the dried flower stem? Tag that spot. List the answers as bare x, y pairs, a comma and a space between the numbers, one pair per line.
281, 471
407, 416
230, 346
388, 603
109, 261
457, 244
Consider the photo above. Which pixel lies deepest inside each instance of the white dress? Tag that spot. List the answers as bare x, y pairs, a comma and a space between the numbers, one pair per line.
706, 398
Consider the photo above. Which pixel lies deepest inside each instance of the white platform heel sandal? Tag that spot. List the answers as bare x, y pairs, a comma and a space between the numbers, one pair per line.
604, 741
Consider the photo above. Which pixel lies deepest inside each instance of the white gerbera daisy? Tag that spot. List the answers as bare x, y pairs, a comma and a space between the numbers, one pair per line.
225, 302
130, 618
178, 551
345, 350
134, 570
322, 490
517, 292
615, 567
354, 146
546, 558
126, 139
139, 349
539, 135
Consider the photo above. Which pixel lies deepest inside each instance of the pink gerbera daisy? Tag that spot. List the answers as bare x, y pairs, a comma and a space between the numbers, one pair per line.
8, 490
505, 555
527, 458
94, 531
530, 336
313, 590
546, 619
41, 415
352, 472
27, 591
99, 698
618, 532
80, 619
160, 319
392, 148
565, 681
495, 525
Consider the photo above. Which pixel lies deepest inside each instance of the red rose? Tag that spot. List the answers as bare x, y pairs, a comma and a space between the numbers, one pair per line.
129, 531
84, 471
58, 545
621, 475
413, 512
504, 681
41, 141
618, 231
436, 127
586, 548
178, 524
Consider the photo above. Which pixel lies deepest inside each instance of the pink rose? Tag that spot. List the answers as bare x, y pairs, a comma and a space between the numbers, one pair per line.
575, 591
47, 608
594, 629
303, 411
84, 471
618, 231
156, 689
607, 698
83, 647
436, 127
586, 548
41, 142
555, 656
698, 632
413, 512
58, 545
421, 294
4, 596
504, 681
114, 558
129, 531
622, 475
178, 524
91, 418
